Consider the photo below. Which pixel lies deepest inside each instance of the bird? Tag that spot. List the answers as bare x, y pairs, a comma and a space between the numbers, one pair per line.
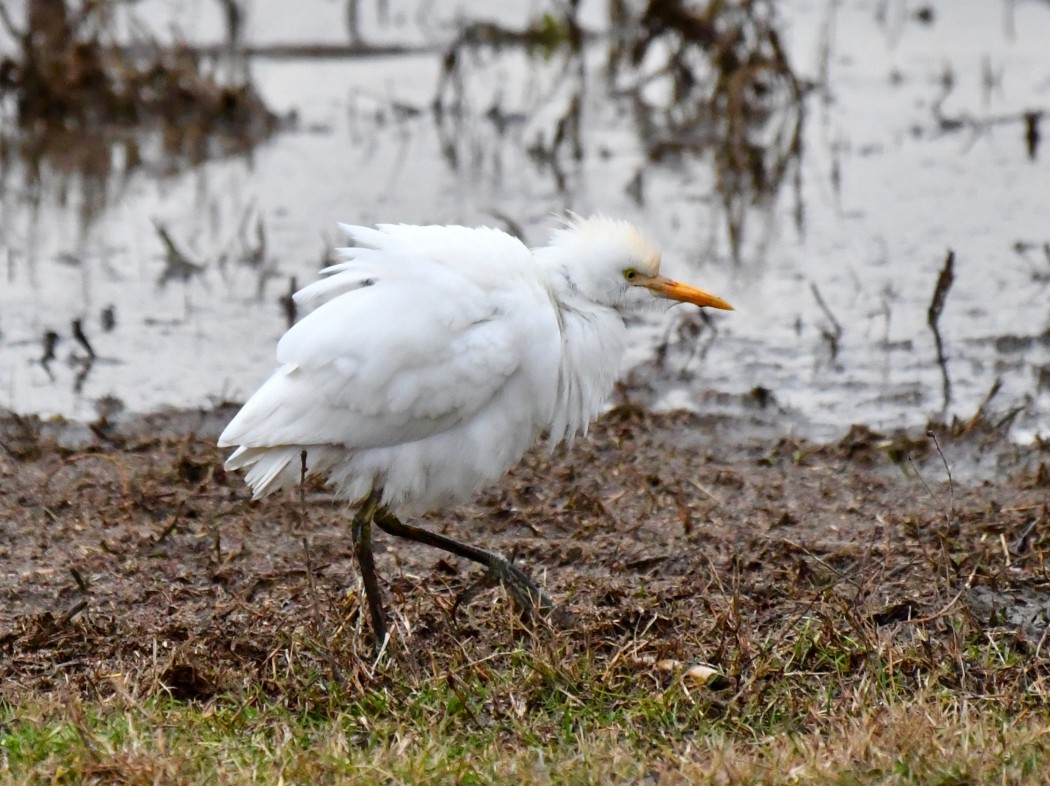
431, 357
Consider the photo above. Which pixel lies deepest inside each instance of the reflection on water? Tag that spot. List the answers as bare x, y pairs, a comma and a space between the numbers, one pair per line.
821, 198
713, 87
80, 107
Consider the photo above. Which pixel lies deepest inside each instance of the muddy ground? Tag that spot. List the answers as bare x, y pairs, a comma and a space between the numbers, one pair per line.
130, 560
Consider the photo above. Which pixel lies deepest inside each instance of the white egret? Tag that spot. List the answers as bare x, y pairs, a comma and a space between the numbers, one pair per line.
432, 358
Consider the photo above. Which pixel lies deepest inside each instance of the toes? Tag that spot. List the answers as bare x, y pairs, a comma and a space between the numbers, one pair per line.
488, 579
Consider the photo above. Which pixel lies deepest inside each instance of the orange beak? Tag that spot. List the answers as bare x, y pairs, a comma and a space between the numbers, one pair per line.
662, 286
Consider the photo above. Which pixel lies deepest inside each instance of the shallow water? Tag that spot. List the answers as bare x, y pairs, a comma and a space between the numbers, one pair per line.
883, 192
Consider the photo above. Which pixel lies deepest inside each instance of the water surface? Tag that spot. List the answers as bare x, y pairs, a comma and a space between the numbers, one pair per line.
912, 145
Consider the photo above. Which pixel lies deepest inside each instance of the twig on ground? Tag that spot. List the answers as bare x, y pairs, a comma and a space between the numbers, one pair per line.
950, 513
66, 618
82, 585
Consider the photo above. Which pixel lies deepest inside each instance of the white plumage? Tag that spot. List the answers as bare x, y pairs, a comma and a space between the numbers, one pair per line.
434, 356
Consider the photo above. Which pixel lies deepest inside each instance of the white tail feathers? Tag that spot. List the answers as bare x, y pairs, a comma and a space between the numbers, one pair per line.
270, 469
275, 468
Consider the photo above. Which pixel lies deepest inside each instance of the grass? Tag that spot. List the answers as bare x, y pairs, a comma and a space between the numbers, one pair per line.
922, 741
819, 706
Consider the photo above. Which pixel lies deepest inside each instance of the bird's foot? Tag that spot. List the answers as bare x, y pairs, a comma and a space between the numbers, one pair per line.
488, 579
532, 602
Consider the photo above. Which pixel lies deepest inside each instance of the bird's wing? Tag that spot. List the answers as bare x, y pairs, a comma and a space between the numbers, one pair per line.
398, 355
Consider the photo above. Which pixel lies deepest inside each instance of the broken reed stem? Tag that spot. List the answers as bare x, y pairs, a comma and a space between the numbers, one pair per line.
288, 305
835, 333
933, 315
82, 339
827, 311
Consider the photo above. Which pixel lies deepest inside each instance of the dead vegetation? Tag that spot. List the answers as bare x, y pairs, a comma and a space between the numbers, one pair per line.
820, 583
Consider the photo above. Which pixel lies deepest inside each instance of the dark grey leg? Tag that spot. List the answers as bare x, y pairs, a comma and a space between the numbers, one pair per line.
361, 531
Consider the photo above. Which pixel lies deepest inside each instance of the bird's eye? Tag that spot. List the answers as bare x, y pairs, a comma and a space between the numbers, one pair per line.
630, 273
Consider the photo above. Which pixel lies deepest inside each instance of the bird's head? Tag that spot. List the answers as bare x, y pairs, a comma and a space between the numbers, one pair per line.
612, 263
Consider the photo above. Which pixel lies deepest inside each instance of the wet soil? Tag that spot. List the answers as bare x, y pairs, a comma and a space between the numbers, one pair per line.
129, 557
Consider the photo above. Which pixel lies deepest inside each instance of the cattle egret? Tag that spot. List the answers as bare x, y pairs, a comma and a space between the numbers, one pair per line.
432, 357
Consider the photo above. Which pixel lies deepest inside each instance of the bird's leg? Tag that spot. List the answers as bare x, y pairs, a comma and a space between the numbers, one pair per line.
361, 532
529, 598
